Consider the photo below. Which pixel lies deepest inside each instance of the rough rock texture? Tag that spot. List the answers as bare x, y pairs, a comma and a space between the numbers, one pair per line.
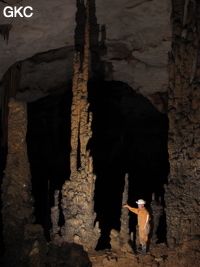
134, 41
121, 240
34, 247
78, 192
182, 195
55, 213
156, 212
78, 208
17, 199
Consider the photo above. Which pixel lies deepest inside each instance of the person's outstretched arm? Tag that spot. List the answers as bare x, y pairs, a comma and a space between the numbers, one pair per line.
134, 210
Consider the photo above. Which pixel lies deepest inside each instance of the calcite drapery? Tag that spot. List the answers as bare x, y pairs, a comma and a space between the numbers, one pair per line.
182, 195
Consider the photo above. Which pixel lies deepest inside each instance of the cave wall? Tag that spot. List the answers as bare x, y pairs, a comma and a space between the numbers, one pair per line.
183, 191
134, 37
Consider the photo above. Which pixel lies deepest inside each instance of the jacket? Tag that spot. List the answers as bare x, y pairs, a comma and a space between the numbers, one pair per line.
143, 216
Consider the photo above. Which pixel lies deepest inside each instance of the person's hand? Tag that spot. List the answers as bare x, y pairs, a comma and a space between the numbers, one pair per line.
125, 206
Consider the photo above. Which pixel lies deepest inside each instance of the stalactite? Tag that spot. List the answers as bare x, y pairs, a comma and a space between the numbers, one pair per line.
78, 192
182, 195
5, 30
121, 240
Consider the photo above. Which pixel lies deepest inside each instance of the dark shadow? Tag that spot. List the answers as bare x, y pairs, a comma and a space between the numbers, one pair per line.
3, 153
98, 68
79, 36
97, 45
48, 142
129, 136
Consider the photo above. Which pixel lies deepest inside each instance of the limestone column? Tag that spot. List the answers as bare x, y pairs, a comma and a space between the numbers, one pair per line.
17, 199
182, 195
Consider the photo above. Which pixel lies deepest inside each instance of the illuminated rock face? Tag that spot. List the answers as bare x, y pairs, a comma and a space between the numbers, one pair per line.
183, 192
78, 192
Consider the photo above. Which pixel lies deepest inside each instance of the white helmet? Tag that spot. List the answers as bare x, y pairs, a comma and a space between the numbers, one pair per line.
141, 201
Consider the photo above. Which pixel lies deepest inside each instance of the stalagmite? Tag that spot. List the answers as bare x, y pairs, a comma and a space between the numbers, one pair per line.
55, 213
121, 240
78, 192
156, 213
17, 211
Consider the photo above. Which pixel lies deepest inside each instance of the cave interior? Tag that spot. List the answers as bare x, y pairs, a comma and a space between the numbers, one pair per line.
130, 134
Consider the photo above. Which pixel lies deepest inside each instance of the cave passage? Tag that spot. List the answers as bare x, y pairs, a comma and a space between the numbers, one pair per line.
129, 136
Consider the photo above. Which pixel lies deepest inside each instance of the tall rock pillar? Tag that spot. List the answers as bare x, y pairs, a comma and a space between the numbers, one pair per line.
182, 195
78, 192
17, 198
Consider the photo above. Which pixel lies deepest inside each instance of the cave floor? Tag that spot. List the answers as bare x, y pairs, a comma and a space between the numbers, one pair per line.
158, 255
187, 255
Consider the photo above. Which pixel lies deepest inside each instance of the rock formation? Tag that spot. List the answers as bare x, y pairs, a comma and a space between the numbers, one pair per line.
78, 192
182, 195
121, 240
156, 213
17, 212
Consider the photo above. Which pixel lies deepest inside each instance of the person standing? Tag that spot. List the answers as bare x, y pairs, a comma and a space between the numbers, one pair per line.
143, 223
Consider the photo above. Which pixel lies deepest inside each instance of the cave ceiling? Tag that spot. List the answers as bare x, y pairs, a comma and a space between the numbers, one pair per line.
137, 39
